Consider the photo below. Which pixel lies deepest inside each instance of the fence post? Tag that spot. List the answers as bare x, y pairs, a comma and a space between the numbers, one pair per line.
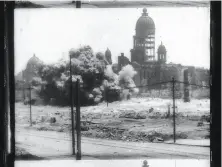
78, 122
72, 113
174, 122
30, 104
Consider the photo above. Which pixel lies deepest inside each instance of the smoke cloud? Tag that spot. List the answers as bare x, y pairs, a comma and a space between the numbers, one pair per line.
127, 72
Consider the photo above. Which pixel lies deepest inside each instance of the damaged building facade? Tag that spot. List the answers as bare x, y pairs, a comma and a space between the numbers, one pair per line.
152, 68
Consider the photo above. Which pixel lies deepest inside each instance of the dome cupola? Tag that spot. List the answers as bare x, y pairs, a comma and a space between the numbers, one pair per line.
34, 61
145, 25
144, 40
161, 49
162, 53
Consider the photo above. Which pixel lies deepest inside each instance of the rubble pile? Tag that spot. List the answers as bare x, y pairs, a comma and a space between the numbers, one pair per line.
134, 115
125, 135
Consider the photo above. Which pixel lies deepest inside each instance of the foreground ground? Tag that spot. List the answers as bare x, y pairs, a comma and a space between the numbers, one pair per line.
144, 121
53, 145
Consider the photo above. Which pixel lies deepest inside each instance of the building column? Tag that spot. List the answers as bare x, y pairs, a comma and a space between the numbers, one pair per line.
186, 86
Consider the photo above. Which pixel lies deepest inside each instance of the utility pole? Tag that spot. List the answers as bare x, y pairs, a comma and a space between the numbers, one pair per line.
72, 113
174, 122
107, 100
30, 104
78, 122
23, 84
106, 94
186, 86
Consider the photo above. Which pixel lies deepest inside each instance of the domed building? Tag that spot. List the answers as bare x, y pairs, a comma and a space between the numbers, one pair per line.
161, 52
33, 63
144, 40
151, 65
22, 80
32, 68
143, 55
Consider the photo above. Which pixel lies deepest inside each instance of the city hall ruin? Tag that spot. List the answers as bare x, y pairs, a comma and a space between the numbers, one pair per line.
151, 65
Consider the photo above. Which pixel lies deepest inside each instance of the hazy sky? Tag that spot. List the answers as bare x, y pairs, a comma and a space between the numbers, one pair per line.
51, 33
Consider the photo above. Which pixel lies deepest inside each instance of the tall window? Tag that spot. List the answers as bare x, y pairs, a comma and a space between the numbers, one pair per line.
148, 52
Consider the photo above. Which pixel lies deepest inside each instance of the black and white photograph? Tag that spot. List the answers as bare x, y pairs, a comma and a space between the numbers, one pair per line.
112, 83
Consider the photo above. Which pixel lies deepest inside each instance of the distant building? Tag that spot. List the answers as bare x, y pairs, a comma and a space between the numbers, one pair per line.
152, 68
23, 78
32, 68
144, 41
108, 56
122, 61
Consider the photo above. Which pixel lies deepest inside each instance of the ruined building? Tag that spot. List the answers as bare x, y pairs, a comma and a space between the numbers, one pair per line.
151, 67
32, 68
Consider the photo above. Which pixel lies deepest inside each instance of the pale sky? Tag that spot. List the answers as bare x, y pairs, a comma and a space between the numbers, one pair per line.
51, 33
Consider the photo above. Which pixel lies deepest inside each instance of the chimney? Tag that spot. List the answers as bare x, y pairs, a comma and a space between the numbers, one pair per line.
122, 54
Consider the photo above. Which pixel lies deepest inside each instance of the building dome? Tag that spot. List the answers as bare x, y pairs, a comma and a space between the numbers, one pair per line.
162, 49
145, 25
32, 68
33, 63
34, 60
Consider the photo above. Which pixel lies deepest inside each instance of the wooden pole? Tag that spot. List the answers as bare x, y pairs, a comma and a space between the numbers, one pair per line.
30, 104
23, 84
174, 122
78, 122
72, 112
107, 100
186, 86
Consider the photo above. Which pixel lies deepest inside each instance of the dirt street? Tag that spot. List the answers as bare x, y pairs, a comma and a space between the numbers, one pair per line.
127, 129
49, 144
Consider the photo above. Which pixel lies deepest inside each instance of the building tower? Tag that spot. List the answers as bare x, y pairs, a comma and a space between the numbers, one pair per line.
144, 41
122, 61
161, 52
108, 56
